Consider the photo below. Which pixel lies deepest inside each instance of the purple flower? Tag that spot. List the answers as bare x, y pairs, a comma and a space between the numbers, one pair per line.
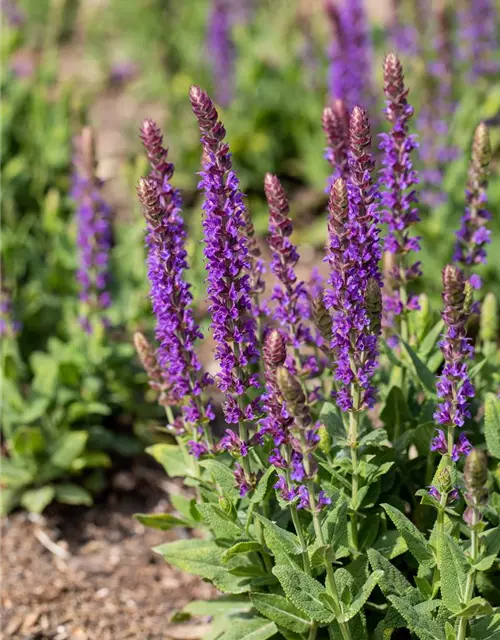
353, 254
241, 480
9, 327
463, 448
403, 35
350, 53
227, 262
303, 494
439, 443
478, 23
290, 295
286, 493
454, 387
323, 500
94, 231
276, 459
473, 236
176, 330
197, 449
298, 472
232, 443
13, 13
434, 493
221, 50
399, 197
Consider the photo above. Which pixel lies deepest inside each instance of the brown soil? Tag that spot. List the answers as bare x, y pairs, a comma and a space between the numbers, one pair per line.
87, 574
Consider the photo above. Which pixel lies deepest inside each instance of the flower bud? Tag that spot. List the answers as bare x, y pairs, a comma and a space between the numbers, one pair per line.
322, 319
488, 324
293, 394
325, 442
373, 303
274, 349
444, 480
476, 470
481, 151
147, 357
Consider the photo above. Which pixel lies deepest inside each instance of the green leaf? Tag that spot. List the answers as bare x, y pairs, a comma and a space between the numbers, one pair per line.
487, 628
396, 413
492, 540
68, 447
252, 629
28, 441
185, 506
171, 458
224, 605
91, 460
200, 557
362, 596
14, 474
390, 544
475, 607
415, 540
423, 374
247, 546
9, 500
281, 611
453, 567
393, 582
473, 371
35, 500
220, 523
68, 493
330, 417
162, 521
283, 544
334, 528
45, 369
262, 486
304, 592
424, 626
430, 340
223, 476
375, 438
492, 424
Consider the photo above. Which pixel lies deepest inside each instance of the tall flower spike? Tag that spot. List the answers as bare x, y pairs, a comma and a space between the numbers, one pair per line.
94, 232
147, 357
473, 236
335, 122
353, 254
176, 331
399, 198
227, 263
479, 35
221, 50
290, 295
454, 387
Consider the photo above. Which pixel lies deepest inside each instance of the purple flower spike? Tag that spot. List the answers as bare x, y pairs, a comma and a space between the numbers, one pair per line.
227, 262
479, 35
94, 231
353, 254
350, 53
221, 50
290, 295
176, 329
454, 387
399, 199
473, 236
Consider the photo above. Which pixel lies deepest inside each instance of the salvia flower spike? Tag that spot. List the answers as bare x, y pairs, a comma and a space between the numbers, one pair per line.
221, 50
399, 199
290, 296
473, 236
94, 232
335, 123
454, 387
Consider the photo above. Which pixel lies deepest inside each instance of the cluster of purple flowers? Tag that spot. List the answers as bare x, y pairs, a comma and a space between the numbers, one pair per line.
9, 327
176, 330
353, 254
479, 37
290, 296
454, 387
473, 236
94, 231
398, 195
350, 53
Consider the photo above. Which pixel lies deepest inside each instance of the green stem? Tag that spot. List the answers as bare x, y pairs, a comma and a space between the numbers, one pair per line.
471, 578
300, 534
313, 631
353, 444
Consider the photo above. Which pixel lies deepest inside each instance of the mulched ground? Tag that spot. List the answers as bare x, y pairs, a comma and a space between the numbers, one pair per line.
91, 575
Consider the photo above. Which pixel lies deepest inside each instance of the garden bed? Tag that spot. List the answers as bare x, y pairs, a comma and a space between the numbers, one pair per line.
85, 574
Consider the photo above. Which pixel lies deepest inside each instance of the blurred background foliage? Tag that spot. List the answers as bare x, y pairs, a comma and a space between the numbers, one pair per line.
110, 63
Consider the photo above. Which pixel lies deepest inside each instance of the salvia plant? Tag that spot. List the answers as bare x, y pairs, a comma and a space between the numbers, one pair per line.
352, 489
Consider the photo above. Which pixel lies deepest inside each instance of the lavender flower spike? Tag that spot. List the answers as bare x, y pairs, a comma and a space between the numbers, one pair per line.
399, 199
479, 33
454, 387
473, 235
94, 231
227, 263
221, 50
290, 295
